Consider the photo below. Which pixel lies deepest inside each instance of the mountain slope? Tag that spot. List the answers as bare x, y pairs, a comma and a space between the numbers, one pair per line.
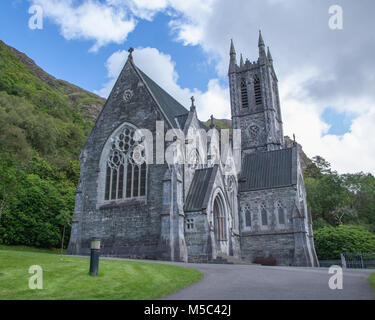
44, 123
39, 113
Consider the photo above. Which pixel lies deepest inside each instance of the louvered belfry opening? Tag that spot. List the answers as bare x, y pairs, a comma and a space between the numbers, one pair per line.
244, 95
257, 91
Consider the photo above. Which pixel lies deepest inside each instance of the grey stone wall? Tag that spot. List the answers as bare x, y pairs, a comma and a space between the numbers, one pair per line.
129, 228
273, 239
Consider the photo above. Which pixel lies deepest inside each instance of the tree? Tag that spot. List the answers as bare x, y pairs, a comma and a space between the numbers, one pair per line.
339, 212
64, 219
317, 168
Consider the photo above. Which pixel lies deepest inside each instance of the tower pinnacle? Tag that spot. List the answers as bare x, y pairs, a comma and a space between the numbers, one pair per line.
233, 61
232, 51
269, 54
260, 41
262, 51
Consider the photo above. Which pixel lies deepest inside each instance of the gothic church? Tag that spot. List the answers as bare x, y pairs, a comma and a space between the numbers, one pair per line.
193, 212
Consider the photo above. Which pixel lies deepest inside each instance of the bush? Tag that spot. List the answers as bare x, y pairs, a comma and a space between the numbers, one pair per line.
331, 241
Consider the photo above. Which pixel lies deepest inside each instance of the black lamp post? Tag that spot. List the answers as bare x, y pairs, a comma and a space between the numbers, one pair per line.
94, 258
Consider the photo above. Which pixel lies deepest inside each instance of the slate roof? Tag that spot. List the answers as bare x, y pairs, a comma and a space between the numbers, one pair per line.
200, 189
170, 106
266, 170
182, 120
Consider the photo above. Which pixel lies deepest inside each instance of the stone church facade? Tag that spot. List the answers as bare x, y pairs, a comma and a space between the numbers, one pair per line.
192, 211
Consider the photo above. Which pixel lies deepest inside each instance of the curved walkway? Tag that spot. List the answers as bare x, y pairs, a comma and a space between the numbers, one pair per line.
250, 282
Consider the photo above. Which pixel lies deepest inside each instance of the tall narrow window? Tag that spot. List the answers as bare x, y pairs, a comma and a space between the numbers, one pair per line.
124, 178
248, 218
264, 216
136, 182
280, 213
129, 177
107, 183
257, 91
143, 179
244, 96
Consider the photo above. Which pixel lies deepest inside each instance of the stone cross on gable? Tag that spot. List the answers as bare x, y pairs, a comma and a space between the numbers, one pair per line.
192, 107
130, 52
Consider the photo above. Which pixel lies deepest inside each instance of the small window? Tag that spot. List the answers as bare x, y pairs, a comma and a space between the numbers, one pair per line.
190, 224
264, 215
248, 218
257, 91
244, 96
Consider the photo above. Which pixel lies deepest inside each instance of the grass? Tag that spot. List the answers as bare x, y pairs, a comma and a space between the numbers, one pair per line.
67, 278
371, 280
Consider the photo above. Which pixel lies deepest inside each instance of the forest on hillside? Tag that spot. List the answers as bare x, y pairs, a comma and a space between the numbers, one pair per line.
44, 123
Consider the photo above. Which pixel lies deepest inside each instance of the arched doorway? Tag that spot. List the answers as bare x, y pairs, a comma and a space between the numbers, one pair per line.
220, 224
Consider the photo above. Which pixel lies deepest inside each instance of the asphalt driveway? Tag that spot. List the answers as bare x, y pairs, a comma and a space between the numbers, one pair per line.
242, 282
251, 282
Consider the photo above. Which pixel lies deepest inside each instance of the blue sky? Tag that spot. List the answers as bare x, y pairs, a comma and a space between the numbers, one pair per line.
326, 76
71, 60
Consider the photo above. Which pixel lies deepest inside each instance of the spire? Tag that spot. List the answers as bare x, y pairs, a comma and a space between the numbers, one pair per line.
232, 51
241, 61
260, 41
212, 124
233, 61
262, 51
269, 55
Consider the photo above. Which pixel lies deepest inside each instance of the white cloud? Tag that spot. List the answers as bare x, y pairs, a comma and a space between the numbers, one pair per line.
91, 20
317, 68
351, 152
161, 68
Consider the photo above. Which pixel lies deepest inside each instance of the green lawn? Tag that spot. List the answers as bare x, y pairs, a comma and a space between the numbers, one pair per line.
371, 280
67, 277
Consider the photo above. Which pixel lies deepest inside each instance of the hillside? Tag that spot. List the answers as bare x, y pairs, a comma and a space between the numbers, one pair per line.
44, 123
40, 113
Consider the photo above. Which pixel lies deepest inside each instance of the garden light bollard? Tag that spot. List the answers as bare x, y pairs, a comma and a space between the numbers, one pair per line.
94, 258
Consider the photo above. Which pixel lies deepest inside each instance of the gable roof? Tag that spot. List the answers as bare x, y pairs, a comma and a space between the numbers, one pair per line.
171, 107
200, 189
269, 169
182, 119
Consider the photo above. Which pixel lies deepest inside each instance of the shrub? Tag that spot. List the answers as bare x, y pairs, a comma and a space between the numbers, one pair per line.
331, 241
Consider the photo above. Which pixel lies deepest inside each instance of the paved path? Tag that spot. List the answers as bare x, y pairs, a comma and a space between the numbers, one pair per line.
248, 282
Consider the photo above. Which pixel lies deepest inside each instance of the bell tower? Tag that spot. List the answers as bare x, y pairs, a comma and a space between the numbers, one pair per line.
255, 103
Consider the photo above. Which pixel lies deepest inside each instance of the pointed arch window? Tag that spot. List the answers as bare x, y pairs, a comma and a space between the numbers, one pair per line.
280, 212
263, 213
248, 217
244, 95
125, 177
257, 91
